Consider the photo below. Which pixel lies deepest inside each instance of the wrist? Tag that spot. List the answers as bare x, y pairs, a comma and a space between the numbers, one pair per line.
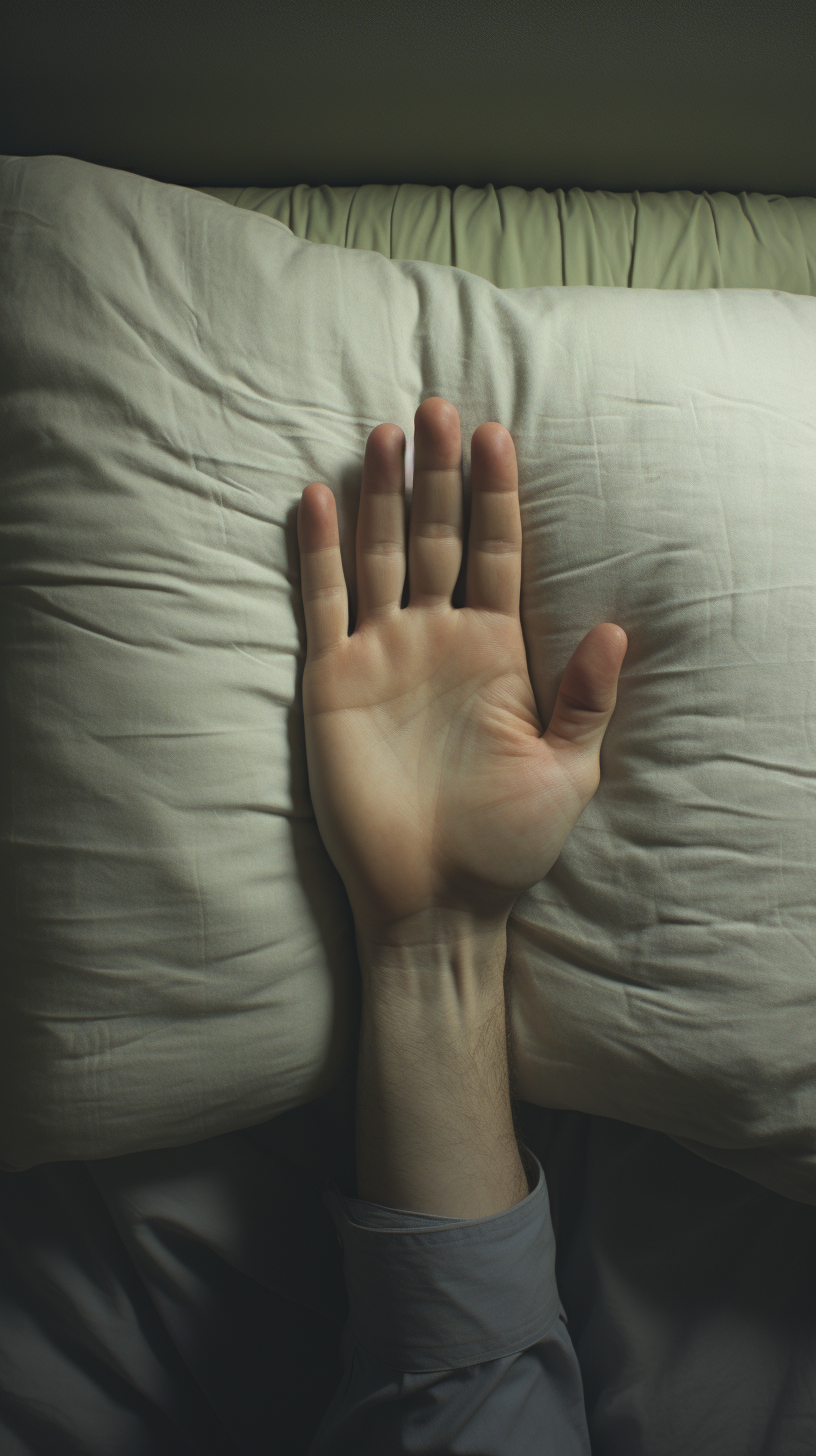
416, 957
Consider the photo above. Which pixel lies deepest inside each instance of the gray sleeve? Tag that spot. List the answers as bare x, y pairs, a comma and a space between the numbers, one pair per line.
456, 1337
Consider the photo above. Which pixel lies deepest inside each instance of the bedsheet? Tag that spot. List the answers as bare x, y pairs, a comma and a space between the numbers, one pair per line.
192, 1300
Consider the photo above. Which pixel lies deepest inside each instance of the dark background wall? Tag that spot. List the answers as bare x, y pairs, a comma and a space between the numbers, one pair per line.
615, 94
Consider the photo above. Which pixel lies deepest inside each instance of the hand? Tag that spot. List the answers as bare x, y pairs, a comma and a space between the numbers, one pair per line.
436, 791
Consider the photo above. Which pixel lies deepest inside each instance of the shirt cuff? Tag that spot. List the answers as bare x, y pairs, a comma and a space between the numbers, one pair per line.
430, 1293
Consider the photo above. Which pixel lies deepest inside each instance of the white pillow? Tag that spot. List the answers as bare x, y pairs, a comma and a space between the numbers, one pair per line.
181, 956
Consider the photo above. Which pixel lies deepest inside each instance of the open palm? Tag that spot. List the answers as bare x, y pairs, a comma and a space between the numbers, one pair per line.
433, 782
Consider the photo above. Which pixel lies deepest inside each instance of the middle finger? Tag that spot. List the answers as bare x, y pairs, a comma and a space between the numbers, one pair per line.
435, 536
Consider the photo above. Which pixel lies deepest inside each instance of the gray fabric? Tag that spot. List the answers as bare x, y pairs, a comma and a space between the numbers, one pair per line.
466, 1290
192, 1301
456, 1339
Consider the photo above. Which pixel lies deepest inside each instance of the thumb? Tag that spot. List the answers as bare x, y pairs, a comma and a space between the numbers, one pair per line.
588, 692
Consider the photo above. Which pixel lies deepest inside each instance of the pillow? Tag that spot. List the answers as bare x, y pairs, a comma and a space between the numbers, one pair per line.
180, 949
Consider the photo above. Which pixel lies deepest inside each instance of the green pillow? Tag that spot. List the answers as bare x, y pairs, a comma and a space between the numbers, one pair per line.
180, 951
520, 239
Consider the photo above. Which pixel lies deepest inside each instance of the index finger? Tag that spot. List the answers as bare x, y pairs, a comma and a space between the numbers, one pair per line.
322, 582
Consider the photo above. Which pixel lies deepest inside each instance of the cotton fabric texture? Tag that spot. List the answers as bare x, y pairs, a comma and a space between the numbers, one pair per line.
520, 238
180, 951
456, 1337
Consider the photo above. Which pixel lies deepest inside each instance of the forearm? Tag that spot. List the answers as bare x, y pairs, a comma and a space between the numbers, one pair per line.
434, 1114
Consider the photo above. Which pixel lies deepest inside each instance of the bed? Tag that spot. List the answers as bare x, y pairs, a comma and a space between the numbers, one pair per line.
167, 1292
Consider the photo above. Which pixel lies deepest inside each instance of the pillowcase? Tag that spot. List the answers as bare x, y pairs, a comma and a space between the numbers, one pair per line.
180, 949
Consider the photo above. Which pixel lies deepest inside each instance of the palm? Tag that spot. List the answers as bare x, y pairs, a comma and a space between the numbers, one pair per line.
433, 784
430, 778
